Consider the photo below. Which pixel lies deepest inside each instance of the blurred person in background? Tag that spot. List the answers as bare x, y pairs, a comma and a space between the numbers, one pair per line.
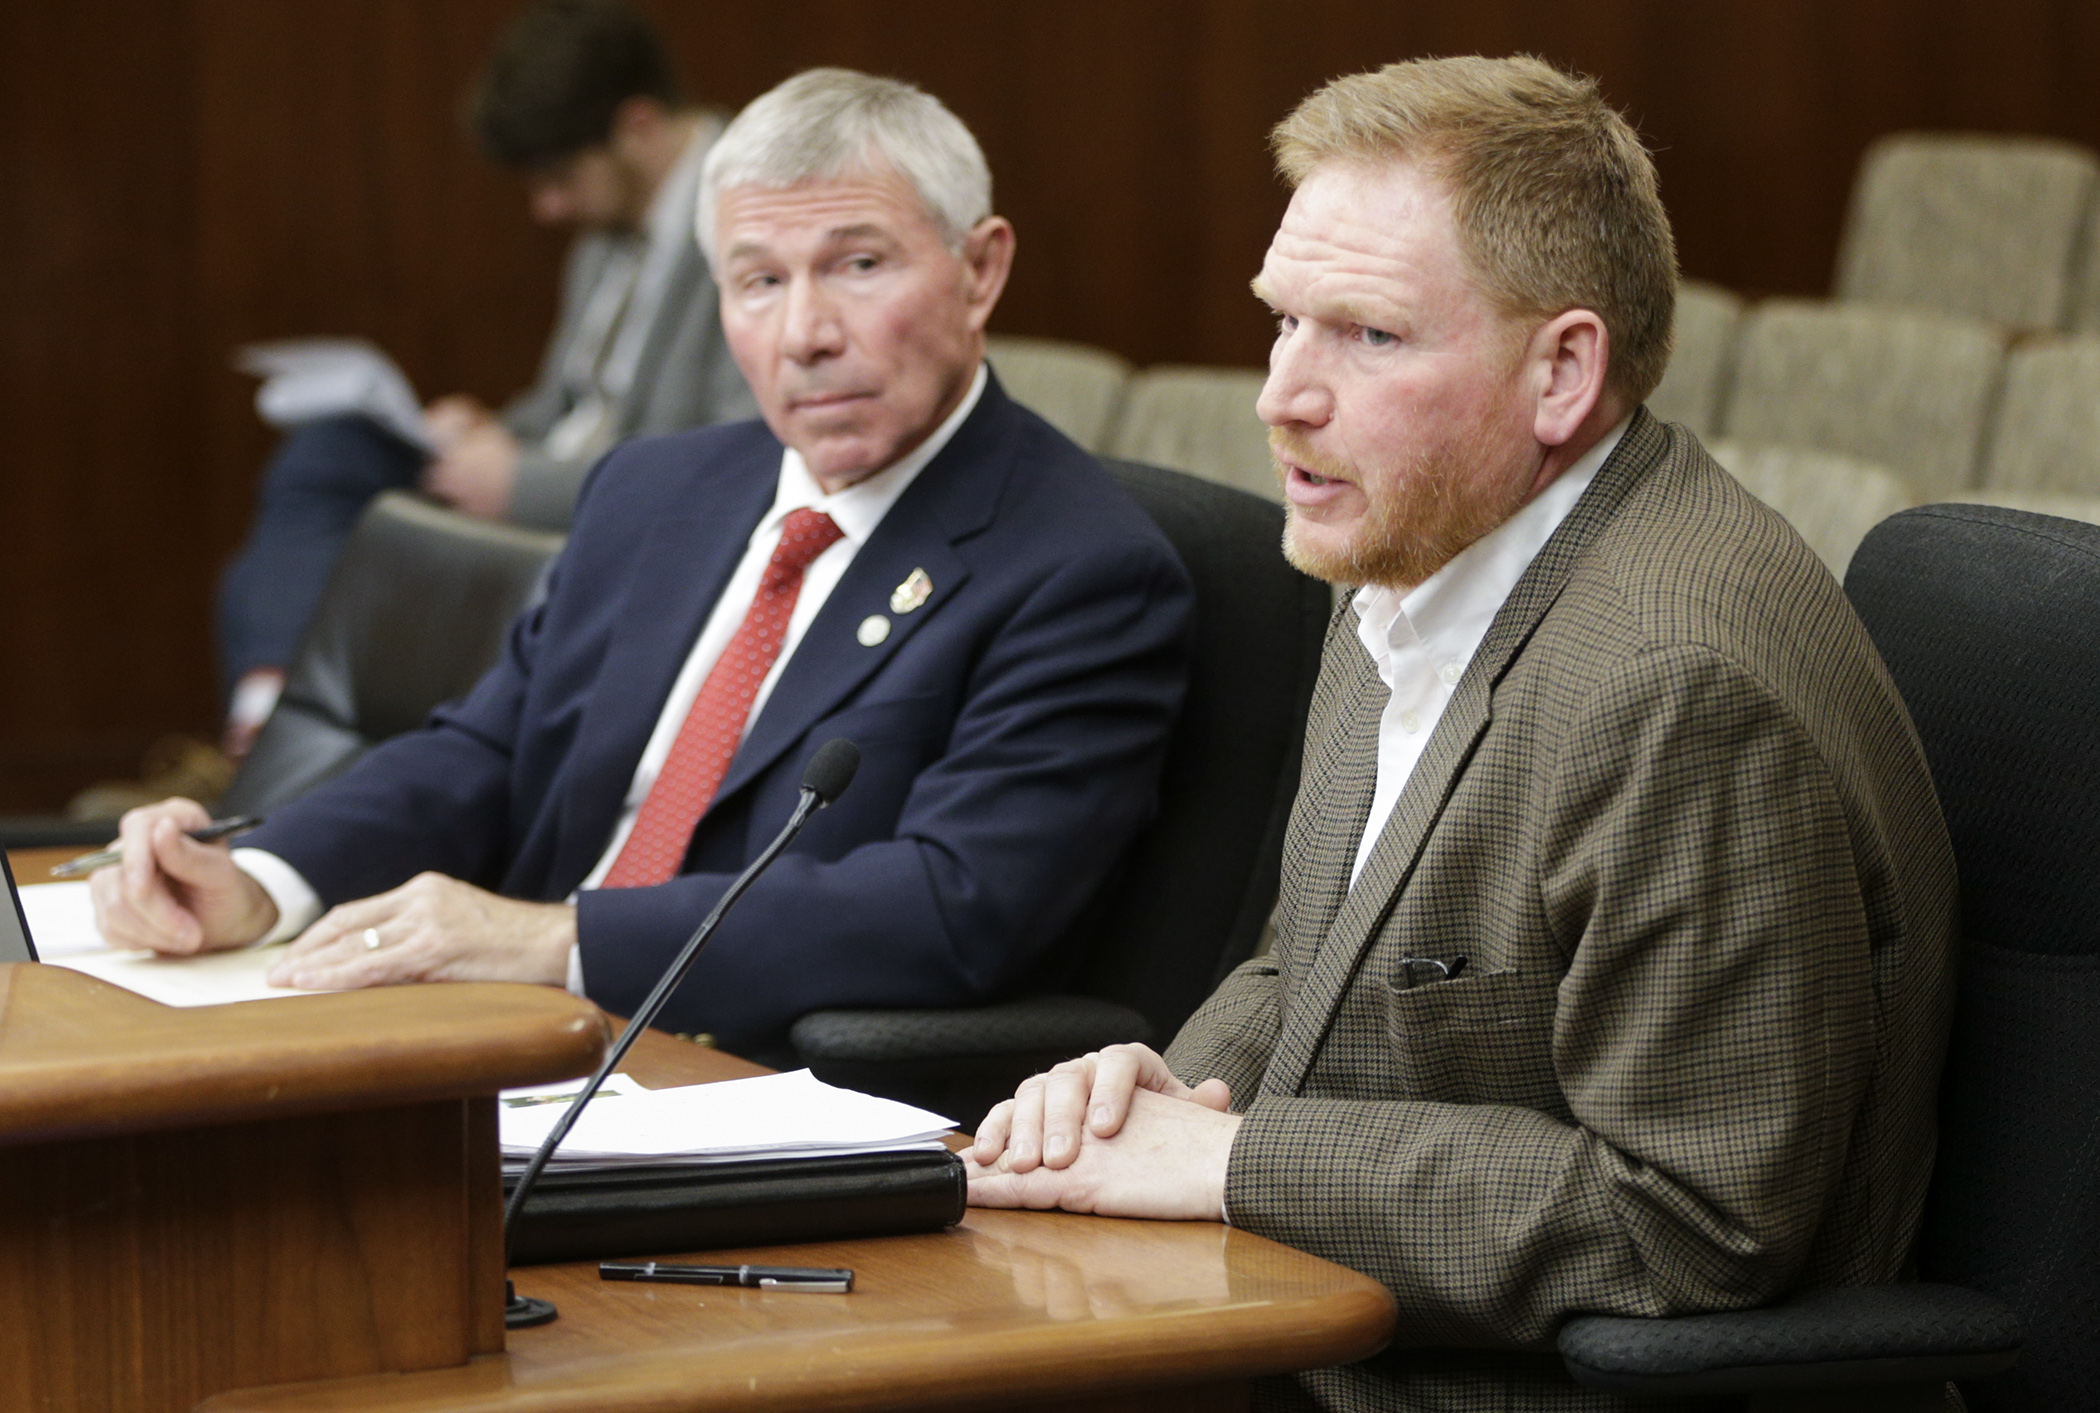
580, 98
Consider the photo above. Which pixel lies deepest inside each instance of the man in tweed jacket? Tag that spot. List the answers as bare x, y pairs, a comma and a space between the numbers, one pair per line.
1670, 810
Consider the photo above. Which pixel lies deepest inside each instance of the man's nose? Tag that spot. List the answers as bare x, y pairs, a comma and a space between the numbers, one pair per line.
813, 329
1295, 393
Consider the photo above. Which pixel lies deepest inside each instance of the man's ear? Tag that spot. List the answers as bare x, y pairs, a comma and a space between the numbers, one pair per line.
987, 259
1570, 356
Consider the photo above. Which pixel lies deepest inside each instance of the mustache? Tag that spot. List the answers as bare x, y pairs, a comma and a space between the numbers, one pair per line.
1286, 444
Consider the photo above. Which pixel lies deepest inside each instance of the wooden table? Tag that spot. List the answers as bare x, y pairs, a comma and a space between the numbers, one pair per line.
1021, 1309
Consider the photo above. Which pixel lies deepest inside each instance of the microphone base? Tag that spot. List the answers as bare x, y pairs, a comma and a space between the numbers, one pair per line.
524, 1311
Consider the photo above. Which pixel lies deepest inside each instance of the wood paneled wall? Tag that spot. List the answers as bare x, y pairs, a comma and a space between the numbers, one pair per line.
182, 176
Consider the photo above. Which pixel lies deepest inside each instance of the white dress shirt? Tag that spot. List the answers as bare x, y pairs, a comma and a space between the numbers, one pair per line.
856, 510
1423, 638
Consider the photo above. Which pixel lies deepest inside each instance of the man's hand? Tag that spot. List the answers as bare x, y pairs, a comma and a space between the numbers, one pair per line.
172, 894
1113, 1133
446, 419
431, 928
476, 466
1167, 1160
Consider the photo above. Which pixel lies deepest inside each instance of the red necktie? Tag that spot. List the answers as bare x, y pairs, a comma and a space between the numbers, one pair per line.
714, 727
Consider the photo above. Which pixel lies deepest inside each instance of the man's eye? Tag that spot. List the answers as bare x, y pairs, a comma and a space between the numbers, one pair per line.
1377, 338
861, 264
1286, 323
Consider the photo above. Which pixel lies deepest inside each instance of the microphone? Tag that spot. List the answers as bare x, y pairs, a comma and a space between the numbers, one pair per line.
826, 777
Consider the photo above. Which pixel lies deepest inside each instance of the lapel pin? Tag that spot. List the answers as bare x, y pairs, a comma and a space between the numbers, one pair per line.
915, 590
873, 629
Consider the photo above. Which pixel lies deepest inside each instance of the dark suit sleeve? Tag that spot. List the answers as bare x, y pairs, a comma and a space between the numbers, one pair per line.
437, 799
1049, 769
1711, 1043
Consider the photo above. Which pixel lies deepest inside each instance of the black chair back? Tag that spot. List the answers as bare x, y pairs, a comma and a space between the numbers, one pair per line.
418, 608
1199, 884
1989, 621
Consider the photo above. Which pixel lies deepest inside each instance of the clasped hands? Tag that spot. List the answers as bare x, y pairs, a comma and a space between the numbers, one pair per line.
1112, 1133
476, 465
173, 895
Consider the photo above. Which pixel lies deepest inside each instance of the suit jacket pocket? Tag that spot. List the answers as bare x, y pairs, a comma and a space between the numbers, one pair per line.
1481, 1039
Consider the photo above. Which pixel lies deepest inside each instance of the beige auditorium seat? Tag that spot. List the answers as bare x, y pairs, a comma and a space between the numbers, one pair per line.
1830, 500
1983, 226
2046, 436
1692, 387
1907, 390
1075, 387
1199, 420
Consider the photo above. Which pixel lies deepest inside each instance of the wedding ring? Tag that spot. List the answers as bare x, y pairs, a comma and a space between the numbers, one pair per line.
372, 942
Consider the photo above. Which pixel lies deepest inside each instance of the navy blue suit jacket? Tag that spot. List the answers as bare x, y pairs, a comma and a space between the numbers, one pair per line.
1011, 733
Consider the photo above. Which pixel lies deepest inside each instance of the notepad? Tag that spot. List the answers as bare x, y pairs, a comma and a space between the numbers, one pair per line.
62, 920
768, 1116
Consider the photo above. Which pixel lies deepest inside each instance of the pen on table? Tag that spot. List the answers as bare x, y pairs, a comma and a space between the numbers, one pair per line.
813, 1279
216, 830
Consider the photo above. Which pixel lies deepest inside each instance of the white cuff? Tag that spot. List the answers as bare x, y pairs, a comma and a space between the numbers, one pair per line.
298, 906
575, 981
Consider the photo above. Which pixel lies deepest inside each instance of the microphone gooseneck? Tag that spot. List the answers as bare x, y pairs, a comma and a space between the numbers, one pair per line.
826, 777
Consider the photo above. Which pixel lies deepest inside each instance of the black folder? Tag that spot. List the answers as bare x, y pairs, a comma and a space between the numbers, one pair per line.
658, 1210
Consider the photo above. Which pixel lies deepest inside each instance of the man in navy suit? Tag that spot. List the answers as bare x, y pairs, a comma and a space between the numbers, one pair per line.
899, 555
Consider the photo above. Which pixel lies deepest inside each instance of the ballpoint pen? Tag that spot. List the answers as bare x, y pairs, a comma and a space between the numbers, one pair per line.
216, 830
812, 1279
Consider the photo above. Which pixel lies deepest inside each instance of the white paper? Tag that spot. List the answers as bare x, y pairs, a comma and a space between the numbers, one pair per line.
61, 919
533, 1095
213, 979
778, 1115
62, 924
305, 380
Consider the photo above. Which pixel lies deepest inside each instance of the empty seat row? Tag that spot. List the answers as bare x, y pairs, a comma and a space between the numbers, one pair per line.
1952, 404
1199, 420
1991, 227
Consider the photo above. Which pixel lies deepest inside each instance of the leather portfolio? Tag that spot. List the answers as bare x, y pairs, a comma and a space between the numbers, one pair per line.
591, 1214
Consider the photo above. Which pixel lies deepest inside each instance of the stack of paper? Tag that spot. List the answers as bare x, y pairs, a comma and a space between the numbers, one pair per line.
792, 1115
308, 379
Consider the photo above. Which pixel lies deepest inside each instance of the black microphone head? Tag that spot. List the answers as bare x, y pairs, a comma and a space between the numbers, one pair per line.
831, 769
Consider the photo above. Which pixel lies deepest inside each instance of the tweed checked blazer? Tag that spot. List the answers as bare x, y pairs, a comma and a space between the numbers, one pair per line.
1676, 818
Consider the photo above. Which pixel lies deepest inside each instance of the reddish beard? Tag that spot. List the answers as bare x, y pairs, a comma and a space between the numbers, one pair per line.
1414, 523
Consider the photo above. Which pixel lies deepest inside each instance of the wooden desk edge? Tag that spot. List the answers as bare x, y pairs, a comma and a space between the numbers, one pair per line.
82, 1057
879, 1370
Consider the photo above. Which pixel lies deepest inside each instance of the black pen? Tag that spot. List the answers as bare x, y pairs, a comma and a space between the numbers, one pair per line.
816, 1279
210, 833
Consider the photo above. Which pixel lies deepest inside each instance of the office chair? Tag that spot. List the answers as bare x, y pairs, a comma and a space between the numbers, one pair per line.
1985, 617
418, 608
1199, 883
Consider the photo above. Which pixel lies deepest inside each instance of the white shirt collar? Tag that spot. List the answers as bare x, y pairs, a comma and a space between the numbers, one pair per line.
1450, 611
859, 508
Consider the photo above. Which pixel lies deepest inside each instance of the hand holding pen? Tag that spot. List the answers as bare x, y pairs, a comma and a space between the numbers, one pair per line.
173, 895
210, 834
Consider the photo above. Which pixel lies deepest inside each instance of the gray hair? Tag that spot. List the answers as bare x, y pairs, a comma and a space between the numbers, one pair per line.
824, 123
